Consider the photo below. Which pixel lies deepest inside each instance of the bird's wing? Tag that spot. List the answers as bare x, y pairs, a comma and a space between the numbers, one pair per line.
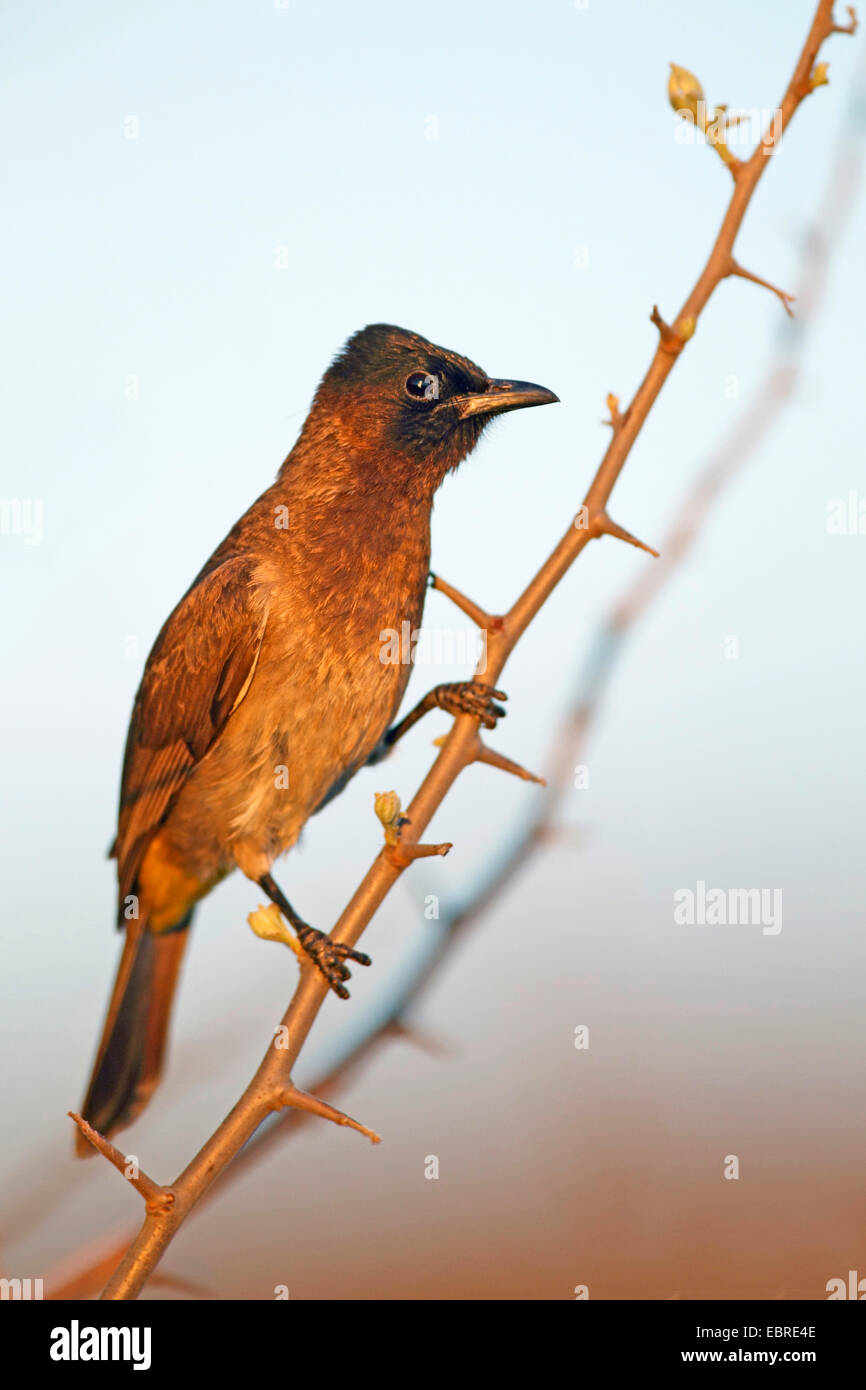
199, 670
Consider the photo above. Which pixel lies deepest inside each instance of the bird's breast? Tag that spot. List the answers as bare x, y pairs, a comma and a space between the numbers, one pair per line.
332, 671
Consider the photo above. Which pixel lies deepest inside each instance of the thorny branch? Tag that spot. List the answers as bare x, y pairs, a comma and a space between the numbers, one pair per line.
392, 1021
272, 1088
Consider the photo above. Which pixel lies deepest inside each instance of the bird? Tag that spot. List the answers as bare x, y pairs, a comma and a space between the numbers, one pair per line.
266, 689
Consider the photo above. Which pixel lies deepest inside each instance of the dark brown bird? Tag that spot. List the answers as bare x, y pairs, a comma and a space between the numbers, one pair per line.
265, 690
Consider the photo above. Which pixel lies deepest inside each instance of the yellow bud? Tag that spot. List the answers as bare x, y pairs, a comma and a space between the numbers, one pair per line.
267, 922
686, 327
684, 91
387, 808
819, 76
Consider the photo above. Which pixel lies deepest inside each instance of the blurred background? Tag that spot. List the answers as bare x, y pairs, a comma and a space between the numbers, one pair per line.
202, 202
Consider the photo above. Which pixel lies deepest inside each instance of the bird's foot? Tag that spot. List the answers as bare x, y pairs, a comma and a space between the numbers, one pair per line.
329, 956
470, 697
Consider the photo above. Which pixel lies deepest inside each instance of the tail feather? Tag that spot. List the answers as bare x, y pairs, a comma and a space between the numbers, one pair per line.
131, 1051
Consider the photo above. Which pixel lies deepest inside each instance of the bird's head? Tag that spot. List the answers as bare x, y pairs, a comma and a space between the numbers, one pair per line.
410, 409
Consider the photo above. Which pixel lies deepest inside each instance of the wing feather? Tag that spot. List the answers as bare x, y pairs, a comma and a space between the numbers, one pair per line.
201, 667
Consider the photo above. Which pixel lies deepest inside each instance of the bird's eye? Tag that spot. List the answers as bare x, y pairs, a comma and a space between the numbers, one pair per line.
423, 385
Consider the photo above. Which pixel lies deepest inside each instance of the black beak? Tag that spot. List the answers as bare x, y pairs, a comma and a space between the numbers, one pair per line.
499, 396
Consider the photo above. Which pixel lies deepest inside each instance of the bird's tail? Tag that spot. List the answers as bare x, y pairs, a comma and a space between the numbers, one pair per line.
131, 1050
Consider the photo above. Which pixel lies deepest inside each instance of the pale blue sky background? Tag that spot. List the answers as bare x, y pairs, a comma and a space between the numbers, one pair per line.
156, 258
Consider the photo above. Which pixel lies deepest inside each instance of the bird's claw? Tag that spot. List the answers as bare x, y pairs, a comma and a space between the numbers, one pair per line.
471, 697
329, 956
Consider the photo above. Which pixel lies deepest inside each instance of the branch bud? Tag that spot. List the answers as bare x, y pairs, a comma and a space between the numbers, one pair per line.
389, 811
684, 92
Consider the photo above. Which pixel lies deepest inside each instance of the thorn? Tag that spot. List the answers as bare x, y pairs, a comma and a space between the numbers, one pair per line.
731, 122
605, 527
787, 299
666, 333
494, 759
291, 1095
268, 923
715, 129
387, 807
672, 339
478, 615
402, 855
850, 28
156, 1198
615, 418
